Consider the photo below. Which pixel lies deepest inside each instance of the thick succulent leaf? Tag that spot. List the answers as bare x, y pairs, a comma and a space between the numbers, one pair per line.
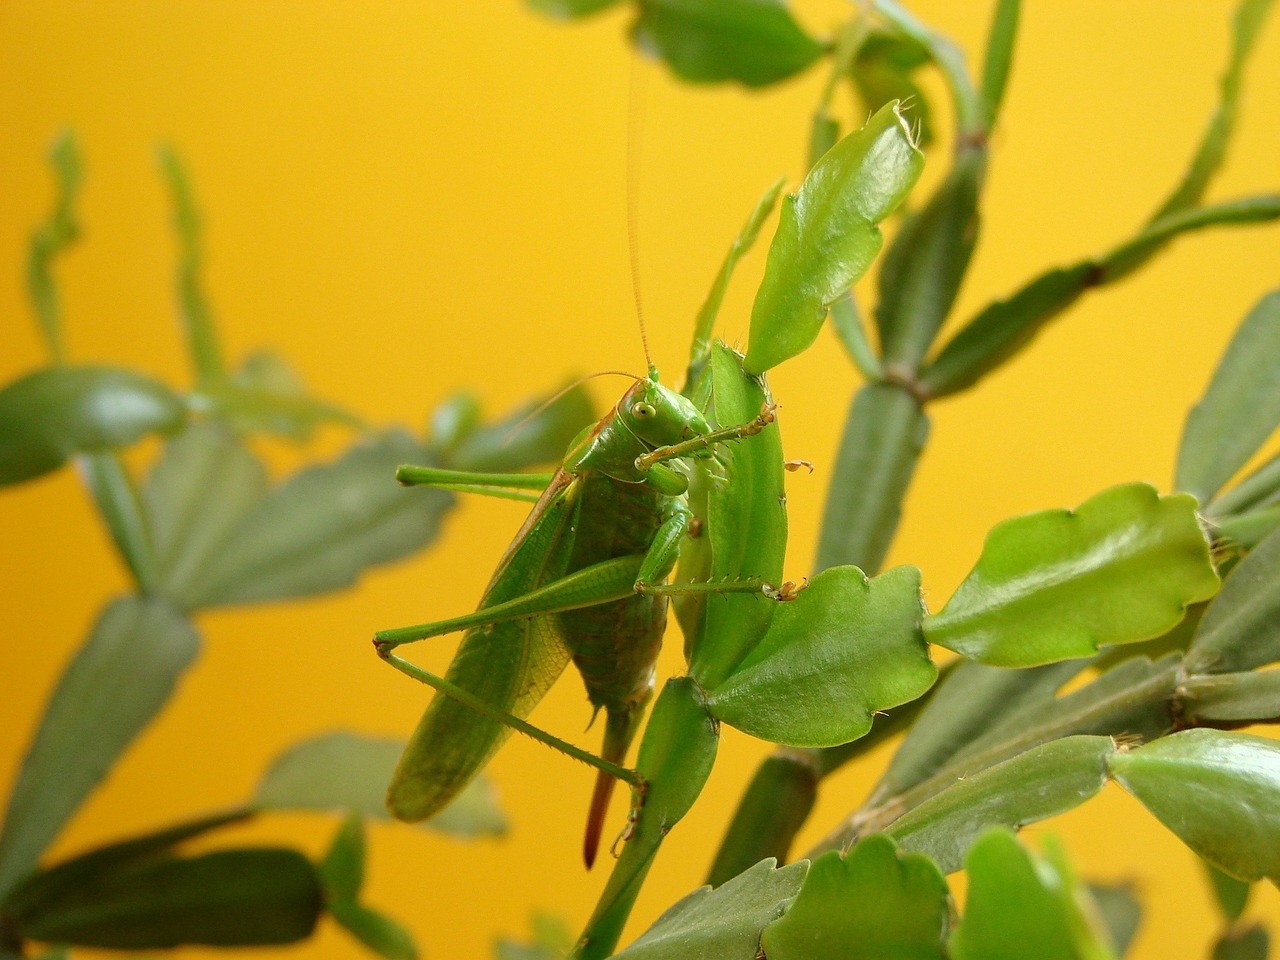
1240, 408
58, 232
869, 905
319, 530
925, 264
342, 869
1230, 699
827, 235
1260, 489
1040, 783
346, 771
116, 496
753, 42
243, 897
552, 940
1005, 327
189, 524
536, 432
381, 934
1119, 911
950, 60
1219, 792
568, 9
1247, 943
265, 395
844, 649
49, 415
1057, 584
1241, 628
882, 72
745, 526
1021, 906
1232, 895
999, 57
725, 922
883, 435
113, 687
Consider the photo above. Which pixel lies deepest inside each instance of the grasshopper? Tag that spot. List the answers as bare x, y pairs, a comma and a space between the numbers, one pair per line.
584, 579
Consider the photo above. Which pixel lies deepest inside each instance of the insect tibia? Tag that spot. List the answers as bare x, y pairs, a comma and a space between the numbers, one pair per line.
767, 415
740, 585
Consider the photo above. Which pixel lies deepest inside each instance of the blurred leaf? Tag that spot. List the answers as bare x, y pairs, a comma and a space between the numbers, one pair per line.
700, 350
724, 923
342, 869
1241, 628
344, 771
1240, 408
452, 421
1057, 584
1232, 895
552, 940
381, 934
200, 488
246, 897
1219, 792
745, 529
193, 308
754, 42
1250, 943
1040, 783
827, 235
1020, 906
535, 433
882, 72
116, 497
1120, 912
926, 263
58, 232
320, 529
568, 9
1259, 489
114, 686
1230, 699
844, 649
1005, 327
266, 396
999, 57
872, 904
1250, 15
50, 414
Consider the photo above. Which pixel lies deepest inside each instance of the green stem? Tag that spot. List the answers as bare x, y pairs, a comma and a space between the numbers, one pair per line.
116, 496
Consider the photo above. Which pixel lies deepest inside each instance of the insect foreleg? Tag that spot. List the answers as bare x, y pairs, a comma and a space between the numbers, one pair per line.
766, 416
522, 726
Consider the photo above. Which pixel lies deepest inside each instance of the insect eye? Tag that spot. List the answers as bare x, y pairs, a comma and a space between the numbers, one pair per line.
643, 410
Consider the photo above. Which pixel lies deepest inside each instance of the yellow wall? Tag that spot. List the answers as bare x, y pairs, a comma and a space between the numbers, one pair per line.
411, 197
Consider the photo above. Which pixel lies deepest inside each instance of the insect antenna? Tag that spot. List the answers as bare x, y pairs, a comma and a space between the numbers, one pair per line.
635, 120
542, 407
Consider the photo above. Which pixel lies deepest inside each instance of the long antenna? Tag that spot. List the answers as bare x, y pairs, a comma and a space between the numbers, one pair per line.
635, 122
540, 408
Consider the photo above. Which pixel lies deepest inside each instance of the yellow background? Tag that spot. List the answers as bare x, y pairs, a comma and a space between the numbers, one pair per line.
406, 198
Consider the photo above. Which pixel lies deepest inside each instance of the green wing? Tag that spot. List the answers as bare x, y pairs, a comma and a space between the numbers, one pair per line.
509, 665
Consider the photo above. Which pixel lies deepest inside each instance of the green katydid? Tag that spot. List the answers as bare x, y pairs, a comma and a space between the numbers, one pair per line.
584, 579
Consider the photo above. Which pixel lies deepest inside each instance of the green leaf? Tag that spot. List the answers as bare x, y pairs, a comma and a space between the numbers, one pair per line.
116, 497
552, 940
342, 869
827, 235
115, 685
381, 934
248, 897
1119, 911
1241, 628
926, 262
189, 525
1250, 15
1258, 490
871, 905
882, 72
1040, 783
883, 435
1021, 906
753, 42
319, 530
1004, 328
1249, 943
999, 58
49, 415
1219, 792
570, 9
537, 432
1057, 584
724, 923
345, 771
193, 308
266, 396
1232, 895
1230, 698
844, 649
700, 349
745, 528
58, 232
1239, 410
